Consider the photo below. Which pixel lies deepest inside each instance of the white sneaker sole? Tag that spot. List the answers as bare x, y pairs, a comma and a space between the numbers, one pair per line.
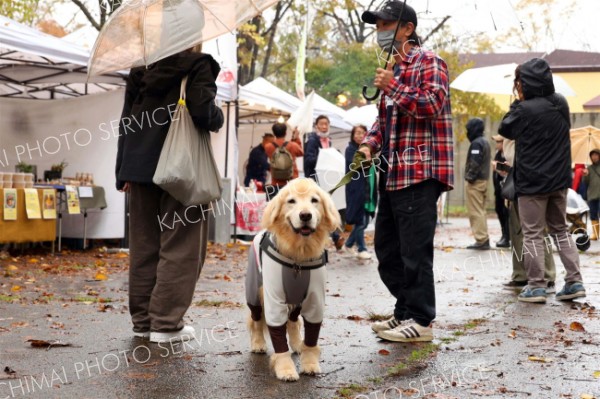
533, 299
394, 338
579, 294
142, 334
185, 334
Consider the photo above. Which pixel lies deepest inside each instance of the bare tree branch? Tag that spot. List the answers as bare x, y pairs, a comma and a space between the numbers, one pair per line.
434, 30
87, 14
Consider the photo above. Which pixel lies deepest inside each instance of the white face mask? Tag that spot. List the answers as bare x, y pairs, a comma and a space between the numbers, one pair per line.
385, 39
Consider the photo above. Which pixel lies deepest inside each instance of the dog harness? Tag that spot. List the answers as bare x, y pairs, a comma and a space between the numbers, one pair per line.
286, 284
267, 246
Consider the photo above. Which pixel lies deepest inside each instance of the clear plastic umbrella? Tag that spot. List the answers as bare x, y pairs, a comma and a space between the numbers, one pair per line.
498, 79
141, 32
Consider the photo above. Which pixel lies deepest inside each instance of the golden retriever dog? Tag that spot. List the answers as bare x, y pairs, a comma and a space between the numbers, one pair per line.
286, 276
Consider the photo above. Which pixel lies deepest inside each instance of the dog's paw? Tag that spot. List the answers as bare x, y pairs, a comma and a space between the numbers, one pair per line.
258, 348
257, 338
294, 331
309, 360
284, 367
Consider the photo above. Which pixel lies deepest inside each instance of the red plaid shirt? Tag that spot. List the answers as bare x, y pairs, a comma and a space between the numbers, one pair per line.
421, 139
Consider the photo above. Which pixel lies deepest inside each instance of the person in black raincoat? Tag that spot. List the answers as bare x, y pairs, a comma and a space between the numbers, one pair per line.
477, 174
167, 240
539, 123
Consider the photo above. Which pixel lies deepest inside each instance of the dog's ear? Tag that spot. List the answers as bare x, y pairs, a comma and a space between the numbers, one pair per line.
331, 215
271, 211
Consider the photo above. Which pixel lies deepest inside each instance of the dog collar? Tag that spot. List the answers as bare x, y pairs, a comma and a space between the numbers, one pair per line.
267, 246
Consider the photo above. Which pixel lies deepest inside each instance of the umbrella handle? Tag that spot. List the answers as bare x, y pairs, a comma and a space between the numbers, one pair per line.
367, 97
389, 56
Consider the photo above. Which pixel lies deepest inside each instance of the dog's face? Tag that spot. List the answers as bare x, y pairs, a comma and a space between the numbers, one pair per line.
303, 208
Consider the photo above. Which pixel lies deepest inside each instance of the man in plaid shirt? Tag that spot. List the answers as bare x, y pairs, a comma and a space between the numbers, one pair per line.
413, 135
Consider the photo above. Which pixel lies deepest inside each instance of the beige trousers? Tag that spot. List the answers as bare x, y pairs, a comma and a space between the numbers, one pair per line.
476, 196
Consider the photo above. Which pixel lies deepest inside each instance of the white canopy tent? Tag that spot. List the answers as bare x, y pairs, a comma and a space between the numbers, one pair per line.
364, 115
261, 92
39, 66
82, 128
261, 102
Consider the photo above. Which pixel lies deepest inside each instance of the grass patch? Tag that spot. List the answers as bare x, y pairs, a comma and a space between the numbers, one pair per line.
423, 353
218, 304
416, 357
349, 391
397, 369
375, 380
90, 299
473, 323
372, 316
9, 298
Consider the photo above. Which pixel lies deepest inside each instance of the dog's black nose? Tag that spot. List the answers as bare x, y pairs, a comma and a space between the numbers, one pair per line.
305, 216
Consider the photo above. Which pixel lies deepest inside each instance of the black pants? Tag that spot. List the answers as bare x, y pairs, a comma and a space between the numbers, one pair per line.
404, 231
502, 212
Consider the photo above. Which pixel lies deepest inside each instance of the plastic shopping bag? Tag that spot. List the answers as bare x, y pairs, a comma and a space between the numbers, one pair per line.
186, 168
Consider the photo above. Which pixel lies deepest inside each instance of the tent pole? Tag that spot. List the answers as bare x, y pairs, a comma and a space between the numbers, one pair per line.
227, 139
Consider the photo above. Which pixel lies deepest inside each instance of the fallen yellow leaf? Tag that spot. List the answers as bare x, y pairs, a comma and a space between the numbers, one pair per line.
16, 288
101, 276
122, 255
597, 374
34, 260
540, 359
12, 268
587, 396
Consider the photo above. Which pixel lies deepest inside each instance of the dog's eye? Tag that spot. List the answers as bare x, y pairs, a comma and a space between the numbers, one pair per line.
291, 201
314, 200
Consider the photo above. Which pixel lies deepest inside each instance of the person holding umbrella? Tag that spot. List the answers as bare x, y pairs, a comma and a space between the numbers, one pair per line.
165, 259
413, 134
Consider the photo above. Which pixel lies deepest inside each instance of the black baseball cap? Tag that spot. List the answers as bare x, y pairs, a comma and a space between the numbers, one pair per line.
390, 11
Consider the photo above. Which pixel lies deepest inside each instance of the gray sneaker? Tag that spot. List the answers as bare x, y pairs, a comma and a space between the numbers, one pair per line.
571, 291
385, 325
535, 295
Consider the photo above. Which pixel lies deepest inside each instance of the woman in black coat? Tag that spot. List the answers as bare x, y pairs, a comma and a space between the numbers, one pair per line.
360, 197
166, 257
